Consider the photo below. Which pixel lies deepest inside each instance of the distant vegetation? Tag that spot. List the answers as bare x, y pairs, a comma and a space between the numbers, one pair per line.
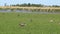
55, 6
33, 5
28, 5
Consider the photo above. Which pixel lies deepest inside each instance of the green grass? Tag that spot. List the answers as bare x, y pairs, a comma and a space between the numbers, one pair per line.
9, 23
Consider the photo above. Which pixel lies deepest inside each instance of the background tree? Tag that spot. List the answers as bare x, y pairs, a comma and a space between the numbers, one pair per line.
29, 4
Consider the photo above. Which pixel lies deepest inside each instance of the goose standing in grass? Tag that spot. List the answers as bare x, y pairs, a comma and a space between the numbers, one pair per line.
51, 20
22, 24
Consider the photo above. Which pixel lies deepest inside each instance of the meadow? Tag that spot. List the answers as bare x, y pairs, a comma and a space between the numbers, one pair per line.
40, 24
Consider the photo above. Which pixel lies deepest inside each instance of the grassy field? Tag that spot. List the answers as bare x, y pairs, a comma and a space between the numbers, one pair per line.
40, 24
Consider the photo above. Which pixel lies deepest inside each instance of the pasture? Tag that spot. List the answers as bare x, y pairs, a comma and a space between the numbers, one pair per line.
35, 23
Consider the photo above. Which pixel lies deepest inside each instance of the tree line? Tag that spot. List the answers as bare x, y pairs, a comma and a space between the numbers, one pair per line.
28, 5
33, 5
